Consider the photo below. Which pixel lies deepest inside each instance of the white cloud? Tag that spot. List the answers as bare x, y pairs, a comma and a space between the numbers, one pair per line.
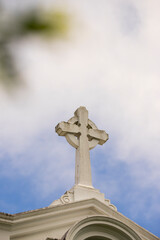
109, 63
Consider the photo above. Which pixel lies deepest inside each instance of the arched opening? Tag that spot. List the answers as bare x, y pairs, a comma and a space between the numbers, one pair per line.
101, 228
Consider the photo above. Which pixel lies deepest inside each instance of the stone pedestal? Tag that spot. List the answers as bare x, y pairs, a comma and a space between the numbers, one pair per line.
80, 192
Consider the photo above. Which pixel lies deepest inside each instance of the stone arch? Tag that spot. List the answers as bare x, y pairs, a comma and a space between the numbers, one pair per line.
101, 228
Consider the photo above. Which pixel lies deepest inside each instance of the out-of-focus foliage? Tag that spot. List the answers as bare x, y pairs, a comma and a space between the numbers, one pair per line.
42, 23
8, 73
53, 23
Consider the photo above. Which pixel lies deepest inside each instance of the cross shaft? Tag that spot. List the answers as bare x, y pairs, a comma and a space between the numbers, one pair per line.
82, 134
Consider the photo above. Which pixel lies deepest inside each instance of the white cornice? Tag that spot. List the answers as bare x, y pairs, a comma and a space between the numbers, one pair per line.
64, 215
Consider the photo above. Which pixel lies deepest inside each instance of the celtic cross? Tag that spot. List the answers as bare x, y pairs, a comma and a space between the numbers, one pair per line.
83, 135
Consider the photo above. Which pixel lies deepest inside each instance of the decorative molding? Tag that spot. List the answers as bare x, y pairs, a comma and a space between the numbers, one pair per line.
67, 197
64, 199
108, 203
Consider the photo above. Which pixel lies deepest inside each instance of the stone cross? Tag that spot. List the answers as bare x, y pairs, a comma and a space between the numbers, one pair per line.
83, 135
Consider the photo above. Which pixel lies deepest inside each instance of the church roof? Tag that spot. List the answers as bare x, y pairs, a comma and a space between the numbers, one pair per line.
55, 216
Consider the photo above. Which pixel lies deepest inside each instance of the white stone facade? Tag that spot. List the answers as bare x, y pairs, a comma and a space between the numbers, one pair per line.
87, 219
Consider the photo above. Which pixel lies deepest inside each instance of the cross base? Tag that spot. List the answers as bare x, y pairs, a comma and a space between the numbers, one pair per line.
84, 192
80, 192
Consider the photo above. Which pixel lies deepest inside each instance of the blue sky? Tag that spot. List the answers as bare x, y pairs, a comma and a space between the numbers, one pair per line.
109, 63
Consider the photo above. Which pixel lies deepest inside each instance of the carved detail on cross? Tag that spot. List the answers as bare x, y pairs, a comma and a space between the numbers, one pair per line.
83, 135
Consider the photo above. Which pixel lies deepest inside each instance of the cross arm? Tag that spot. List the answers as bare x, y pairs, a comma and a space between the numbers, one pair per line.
64, 127
100, 135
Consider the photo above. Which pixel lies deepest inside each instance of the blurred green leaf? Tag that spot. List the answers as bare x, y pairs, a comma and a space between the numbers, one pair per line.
52, 23
45, 23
